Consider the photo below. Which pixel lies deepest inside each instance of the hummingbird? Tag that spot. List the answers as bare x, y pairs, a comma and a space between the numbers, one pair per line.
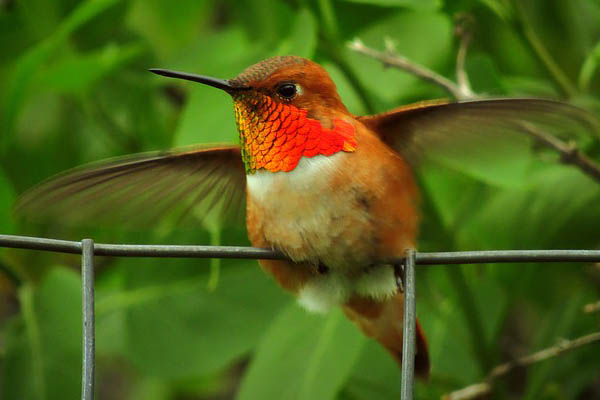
336, 193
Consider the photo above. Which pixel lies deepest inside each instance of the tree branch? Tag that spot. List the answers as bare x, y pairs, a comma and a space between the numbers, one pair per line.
483, 388
398, 61
570, 154
463, 29
591, 307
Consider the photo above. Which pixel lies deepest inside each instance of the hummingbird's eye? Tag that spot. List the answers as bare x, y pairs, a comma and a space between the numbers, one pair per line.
287, 90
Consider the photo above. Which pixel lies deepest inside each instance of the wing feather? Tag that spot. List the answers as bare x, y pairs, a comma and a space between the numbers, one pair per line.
459, 129
140, 188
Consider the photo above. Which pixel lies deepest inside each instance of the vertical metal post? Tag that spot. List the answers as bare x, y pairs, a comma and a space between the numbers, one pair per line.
409, 328
87, 292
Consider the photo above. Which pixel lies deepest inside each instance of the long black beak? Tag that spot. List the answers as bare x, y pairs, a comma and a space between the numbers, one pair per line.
206, 80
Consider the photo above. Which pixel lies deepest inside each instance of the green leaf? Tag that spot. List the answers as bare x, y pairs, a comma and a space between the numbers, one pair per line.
541, 213
453, 194
523, 86
555, 327
151, 389
39, 18
415, 4
76, 74
208, 118
589, 67
507, 44
448, 337
43, 356
7, 199
484, 75
345, 89
177, 327
169, 26
29, 64
501, 8
206, 55
376, 376
302, 39
266, 21
490, 166
313, 355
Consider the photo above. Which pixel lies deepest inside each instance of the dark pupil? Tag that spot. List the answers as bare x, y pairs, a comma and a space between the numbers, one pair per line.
287, 90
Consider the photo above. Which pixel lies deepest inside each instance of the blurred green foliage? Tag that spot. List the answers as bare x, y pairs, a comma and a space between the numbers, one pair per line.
74, 89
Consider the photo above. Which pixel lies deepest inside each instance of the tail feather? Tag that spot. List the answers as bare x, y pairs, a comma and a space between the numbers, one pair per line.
382, 320
422, 365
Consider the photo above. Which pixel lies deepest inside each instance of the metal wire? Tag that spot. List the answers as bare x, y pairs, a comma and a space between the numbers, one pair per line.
88, 320
409, 328
431, 258
88, 249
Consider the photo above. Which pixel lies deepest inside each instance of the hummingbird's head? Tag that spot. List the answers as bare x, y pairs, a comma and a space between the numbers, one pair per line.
292, 81
285, 108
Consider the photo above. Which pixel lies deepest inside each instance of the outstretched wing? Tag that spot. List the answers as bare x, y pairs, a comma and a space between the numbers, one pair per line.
140, 188
478, 130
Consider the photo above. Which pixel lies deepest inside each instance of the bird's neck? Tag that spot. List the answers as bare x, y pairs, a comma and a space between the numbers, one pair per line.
274, 136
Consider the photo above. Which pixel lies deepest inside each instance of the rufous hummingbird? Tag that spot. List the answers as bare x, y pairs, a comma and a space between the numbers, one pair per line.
332, 191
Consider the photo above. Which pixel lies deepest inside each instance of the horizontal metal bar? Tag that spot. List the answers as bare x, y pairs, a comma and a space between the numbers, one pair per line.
177, 251
507, 256
140, 250
35, 243
134, 250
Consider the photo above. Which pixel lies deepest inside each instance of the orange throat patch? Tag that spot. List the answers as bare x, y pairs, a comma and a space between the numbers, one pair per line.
274, 136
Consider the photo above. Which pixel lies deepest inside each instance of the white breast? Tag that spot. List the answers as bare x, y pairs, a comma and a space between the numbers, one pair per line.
310, 173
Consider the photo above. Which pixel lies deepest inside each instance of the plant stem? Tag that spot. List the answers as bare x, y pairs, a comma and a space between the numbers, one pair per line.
589, 67
398, 61
561, 79
479, 390
330, 41
27, 300
472, 316
215, 263
11, 275
329, 22
360, 89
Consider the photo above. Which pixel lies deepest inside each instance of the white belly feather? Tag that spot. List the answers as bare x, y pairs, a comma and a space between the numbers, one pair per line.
310, 222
